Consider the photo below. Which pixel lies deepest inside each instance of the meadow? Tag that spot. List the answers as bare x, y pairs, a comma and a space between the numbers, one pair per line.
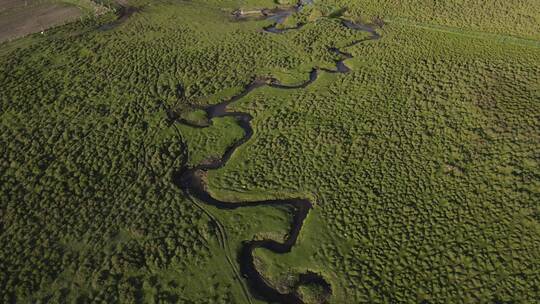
422, 162
425, 175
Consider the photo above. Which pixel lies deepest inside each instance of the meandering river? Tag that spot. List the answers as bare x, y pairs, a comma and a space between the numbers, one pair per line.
189, 178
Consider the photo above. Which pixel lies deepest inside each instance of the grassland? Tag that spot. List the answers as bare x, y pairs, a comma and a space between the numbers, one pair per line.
89, 211
422, 162
426, 174
514, 18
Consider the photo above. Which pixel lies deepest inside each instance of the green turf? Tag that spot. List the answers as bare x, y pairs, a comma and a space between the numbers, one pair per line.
422, 162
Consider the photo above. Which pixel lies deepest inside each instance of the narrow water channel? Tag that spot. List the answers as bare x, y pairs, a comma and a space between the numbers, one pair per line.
189, 180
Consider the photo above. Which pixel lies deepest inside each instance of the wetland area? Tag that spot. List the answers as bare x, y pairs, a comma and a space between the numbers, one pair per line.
261, 152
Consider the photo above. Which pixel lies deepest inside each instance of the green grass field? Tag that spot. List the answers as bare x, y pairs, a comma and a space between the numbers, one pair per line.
427, 169
422, 162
